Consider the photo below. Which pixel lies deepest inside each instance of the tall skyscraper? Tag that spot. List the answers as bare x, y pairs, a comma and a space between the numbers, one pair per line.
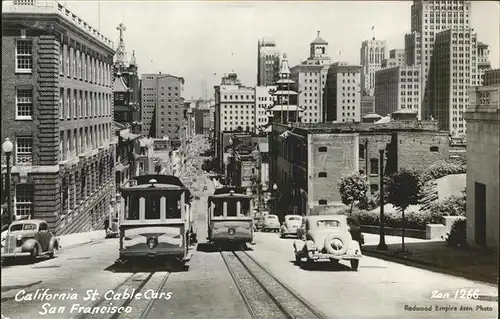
428, 19
268, 62
483, 62
372, 53
310, 79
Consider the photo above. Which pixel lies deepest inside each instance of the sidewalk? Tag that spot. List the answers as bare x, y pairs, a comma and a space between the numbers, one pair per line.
473, 264
79, 239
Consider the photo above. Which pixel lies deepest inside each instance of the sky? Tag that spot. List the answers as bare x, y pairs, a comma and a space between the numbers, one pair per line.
197, 39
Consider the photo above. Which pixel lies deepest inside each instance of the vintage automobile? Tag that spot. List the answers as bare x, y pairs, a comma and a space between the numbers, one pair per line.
29, 238
290, 225
257, 223
327, 237
271, 223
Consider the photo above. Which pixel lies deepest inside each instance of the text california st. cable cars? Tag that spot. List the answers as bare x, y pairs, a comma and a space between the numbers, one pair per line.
156, 219
229, 218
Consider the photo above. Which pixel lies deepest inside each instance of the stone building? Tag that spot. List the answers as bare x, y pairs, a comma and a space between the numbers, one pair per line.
57, 108
483, 162
307, 160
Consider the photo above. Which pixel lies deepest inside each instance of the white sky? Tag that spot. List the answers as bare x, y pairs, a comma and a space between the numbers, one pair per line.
195, 39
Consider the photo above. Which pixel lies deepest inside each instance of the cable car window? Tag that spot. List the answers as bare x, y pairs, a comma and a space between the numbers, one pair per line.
173, 207
153, 207
245, 207
231, 208
218, 209
133, 208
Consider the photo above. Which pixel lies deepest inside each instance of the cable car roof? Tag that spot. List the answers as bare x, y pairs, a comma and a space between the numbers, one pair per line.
229, 196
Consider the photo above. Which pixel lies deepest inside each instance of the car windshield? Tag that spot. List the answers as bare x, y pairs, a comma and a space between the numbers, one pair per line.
19, 227
272, 217
328, 223
295, 218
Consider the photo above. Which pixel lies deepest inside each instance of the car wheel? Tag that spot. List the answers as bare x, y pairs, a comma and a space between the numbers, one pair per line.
354, 264
34, 253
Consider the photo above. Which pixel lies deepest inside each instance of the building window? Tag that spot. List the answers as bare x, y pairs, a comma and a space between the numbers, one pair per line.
24, 200
374, 166
361, 151
434, 149
24, 61
322, 201
322, 149
322, 174
24, 148
373, 188
61, 103
24, 103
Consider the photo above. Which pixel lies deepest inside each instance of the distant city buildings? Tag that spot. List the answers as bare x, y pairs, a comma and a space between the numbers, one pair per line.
264, 100
343, 93
268, 62
57, 109
397, 88
310, 80
163, 106
453, 69
396, 58
372, 53
483, 62
203, 115
442, 43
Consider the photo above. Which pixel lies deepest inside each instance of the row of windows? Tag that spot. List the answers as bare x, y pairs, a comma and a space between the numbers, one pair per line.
79, 65
82, 104
242, 97
78, 141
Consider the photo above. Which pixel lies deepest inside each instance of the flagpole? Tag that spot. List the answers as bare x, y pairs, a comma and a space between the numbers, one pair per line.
373, 29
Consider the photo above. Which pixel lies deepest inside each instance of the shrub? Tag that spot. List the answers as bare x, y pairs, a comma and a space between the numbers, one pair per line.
457, 235
451, 206
414, 219
442, 168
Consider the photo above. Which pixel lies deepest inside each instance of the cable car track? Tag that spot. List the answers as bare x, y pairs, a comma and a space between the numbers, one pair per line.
136, 283
264, 295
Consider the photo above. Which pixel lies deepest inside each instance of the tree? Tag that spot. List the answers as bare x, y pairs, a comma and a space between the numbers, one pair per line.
353, 187
403, 190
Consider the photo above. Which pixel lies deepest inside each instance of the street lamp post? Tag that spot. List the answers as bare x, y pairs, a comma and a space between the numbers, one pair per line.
382, 245
275, 188
7, 147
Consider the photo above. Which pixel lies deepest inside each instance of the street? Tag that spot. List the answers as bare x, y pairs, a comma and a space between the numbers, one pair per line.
379, 289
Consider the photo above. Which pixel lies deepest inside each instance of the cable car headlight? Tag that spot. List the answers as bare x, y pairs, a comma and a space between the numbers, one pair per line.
231, 231
151, 242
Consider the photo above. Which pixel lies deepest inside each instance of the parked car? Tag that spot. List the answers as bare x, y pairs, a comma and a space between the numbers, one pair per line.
29, 238
327, 237
271, 223
290, 225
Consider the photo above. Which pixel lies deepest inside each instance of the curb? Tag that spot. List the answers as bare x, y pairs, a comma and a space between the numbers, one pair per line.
413, 262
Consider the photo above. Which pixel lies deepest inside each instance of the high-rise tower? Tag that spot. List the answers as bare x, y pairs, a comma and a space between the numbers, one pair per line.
371, 55
268, 62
